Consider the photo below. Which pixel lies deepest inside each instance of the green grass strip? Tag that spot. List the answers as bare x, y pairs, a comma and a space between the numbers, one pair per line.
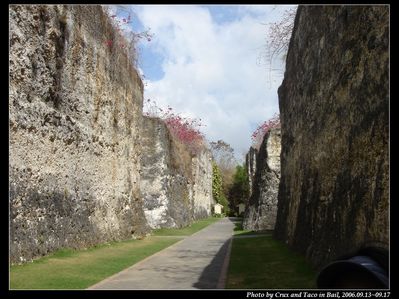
186, 231
261, 262
79, 269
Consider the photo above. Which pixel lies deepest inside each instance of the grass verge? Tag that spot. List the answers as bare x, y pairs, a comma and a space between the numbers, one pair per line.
79, 269
261, 262
186, 231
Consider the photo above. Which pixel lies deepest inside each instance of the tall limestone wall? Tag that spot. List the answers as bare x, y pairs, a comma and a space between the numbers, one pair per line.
78, 138
334, 99
176, 186
261, 211
75, 111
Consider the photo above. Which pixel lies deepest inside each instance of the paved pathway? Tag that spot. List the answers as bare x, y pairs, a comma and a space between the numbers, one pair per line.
197, 262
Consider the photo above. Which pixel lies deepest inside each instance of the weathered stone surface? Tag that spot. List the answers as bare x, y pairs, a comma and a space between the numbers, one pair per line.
75, 110
78, 140
202, 184
176, 187
334, 102
154, 179
250, 166
261, 211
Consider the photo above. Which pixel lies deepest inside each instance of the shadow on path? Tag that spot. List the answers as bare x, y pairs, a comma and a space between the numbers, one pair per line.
210, 277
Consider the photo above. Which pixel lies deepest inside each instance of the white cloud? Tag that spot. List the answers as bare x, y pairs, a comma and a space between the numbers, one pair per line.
211, 69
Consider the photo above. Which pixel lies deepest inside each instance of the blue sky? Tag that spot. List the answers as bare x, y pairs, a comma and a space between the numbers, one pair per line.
204, 62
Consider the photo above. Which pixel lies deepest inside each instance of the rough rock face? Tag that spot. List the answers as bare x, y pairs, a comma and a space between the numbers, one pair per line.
75, 110
334, 100
261, 211
202, 199
176, 187
250, 165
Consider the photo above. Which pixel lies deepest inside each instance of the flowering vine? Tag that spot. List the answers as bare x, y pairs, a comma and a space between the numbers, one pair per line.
126, 38
262, 129
185, 129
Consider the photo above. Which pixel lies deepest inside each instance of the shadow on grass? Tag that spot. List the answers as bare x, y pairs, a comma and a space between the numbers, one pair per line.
239, 230
258, 261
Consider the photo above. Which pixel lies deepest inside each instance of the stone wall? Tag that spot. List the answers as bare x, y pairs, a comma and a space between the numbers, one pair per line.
250, 167
176, 186
85, 166
75, 111
261, 210
202, 200
334, 102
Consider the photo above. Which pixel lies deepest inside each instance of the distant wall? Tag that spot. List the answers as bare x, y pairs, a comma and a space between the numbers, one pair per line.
261, 210
334, 101
250, 167
176, 186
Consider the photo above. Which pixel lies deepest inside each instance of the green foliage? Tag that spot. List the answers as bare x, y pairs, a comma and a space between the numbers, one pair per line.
216, 182
223, 155
225, 203
217, 188
239, 190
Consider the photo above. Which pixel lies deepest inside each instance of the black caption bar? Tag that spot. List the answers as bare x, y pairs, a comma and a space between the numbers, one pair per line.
318, 294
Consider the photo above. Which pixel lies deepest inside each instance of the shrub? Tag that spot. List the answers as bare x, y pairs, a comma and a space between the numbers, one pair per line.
239, 190
216, 182
217, 190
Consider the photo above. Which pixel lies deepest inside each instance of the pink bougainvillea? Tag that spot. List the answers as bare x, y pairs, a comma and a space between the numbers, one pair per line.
262, 129
108, 43
185, 129
125, 38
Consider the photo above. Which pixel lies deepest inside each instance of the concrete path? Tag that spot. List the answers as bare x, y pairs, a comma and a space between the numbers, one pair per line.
197, 262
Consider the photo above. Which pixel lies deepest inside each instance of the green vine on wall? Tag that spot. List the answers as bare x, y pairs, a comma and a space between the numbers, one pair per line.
217, 190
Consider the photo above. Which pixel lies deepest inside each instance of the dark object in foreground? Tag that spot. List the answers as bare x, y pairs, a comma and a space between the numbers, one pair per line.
366, 269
